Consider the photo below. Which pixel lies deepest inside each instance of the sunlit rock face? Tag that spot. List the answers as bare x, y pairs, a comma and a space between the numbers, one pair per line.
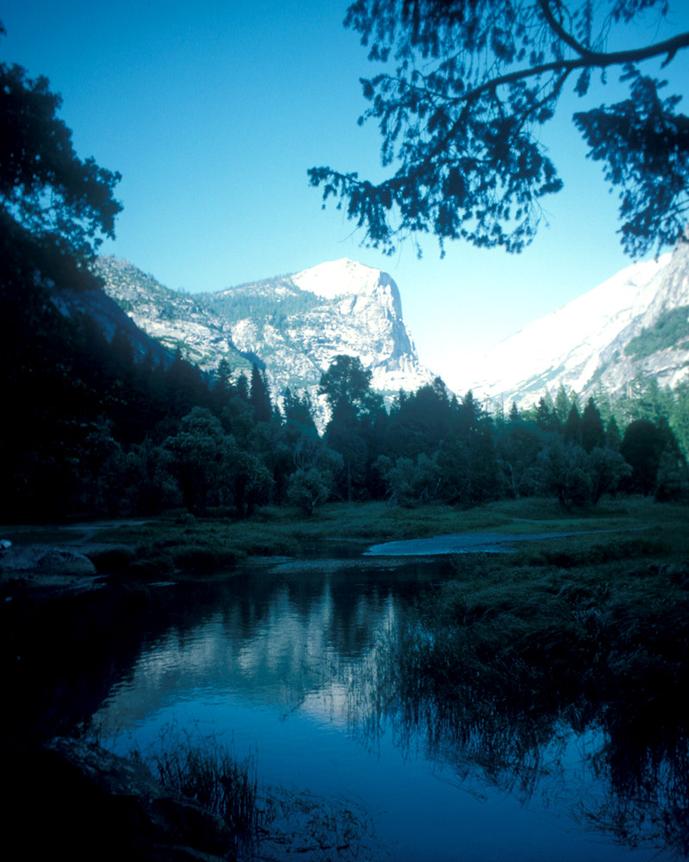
295, 324
632, 327
174, 319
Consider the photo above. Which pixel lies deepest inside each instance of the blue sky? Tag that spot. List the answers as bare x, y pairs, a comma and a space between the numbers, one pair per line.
214, 111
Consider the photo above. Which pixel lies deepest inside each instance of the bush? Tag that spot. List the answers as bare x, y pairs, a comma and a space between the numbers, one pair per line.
309, 488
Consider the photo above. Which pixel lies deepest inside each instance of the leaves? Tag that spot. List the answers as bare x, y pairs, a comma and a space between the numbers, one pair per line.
644, 145
459, 117
44, 185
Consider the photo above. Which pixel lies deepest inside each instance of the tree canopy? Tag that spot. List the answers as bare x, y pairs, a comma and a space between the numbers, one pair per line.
46, 190
466, 86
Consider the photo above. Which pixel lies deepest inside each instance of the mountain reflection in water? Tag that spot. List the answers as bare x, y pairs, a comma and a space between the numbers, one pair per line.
316, 674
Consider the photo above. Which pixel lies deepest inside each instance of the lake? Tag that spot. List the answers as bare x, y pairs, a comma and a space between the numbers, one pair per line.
285, 664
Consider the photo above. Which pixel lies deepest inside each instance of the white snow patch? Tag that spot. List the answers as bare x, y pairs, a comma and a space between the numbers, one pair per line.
338, 278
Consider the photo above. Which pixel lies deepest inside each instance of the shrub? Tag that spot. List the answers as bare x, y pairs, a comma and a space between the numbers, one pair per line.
309, 488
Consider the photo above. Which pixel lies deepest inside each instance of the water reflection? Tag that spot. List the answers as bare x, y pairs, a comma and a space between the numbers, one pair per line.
622, 765
322, 674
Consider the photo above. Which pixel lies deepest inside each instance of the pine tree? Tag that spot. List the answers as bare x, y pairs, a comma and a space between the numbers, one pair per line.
259, 397
298, 416
613, 438
592, 430
243, 387
642, 447
679, 416
460, 101
563, 404
546, 418
572, 428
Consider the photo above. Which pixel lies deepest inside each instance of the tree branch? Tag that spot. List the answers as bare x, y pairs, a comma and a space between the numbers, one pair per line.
560, 31
593, 59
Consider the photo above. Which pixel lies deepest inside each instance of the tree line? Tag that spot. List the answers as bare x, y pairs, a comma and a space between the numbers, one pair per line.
434, 447
91, 429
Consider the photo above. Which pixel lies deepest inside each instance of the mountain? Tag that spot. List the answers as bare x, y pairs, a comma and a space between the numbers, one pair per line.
173, 319
292, 325
632, 327
109, 318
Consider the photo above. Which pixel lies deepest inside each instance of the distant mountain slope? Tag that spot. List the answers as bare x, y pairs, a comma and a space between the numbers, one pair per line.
174, 319
294, 324
632, 326
109, 317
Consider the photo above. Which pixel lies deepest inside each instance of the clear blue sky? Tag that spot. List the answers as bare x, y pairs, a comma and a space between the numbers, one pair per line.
213, 111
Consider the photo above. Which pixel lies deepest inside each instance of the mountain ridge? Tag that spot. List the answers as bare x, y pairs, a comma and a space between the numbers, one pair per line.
294, 325
583, 344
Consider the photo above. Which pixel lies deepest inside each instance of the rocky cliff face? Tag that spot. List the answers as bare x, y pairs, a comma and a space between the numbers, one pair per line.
293, 325
173, 319
632, 327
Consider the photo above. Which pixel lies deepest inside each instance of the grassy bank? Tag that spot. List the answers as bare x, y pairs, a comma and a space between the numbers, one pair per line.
190, 544
183, 543
591, 617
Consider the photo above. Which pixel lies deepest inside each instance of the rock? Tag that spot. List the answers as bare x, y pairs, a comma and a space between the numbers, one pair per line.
42, 560
296, 324
61, 562
119, 797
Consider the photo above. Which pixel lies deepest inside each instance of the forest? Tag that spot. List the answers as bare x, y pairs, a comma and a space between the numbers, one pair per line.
93, 429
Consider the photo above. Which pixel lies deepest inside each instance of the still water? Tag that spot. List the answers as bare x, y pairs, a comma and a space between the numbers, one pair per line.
281, 664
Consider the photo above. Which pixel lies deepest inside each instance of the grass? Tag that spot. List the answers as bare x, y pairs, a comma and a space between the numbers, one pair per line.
206, 773
571, 629
274, 820
589, 633
177, 543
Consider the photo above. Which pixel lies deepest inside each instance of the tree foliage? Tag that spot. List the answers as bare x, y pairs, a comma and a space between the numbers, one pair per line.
465, 88
45, 187
346, 382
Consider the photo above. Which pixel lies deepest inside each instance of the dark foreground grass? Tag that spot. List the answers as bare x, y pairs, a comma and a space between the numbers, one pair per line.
206, 773
270, 823
572, 620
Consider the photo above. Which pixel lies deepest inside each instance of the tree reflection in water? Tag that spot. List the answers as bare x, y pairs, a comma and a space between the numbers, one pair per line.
510, 727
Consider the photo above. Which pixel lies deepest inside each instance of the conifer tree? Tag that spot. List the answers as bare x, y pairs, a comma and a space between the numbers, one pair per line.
259, 397
243, 387
592, 430
546, 418
642, 447
613, 438
572, 427
563, 404
463, 89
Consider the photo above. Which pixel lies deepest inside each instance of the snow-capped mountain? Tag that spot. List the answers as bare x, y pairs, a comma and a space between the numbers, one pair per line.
634, 326
292, 325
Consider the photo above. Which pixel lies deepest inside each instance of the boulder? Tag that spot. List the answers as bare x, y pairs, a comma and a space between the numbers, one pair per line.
115, 805
42, 560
